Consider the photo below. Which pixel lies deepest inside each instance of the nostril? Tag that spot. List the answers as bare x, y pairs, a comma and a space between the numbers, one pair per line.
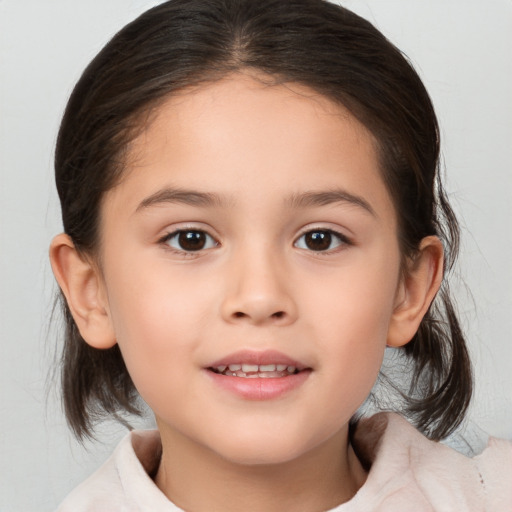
277, 314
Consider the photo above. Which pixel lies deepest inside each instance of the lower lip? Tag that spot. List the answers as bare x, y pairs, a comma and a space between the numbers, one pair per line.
261, 388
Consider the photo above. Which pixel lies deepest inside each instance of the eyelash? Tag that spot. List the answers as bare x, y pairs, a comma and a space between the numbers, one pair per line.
342, 240
188, 252
210, 242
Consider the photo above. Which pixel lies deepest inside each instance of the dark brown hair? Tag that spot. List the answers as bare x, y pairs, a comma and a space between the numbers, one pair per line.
183, 43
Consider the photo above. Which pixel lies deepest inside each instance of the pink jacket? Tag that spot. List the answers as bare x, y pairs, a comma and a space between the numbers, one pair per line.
408, 473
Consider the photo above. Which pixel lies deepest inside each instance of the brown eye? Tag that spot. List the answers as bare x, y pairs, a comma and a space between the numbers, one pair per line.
190, 240
319, 240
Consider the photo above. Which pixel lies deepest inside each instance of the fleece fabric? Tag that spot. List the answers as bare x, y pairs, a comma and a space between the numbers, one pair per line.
407, 472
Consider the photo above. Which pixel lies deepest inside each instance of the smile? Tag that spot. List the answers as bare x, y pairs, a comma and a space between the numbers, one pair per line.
258, 375
255, 371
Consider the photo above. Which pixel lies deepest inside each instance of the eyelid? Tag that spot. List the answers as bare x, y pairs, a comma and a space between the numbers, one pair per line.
344, 240
175, 231
177, 227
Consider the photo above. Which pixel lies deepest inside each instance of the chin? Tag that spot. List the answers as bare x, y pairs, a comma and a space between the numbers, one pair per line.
260, 456
263, 448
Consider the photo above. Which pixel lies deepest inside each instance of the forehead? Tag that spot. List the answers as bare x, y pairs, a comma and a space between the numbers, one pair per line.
242, 133
242, 106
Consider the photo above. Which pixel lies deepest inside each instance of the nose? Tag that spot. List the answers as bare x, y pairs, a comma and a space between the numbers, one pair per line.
258, 292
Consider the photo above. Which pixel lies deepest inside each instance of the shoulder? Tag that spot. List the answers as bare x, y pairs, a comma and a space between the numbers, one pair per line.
123, 482
494, 466
104, 488
408, 468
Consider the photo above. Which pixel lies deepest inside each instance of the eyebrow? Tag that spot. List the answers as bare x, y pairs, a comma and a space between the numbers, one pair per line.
182, 196
328, 197
297, 201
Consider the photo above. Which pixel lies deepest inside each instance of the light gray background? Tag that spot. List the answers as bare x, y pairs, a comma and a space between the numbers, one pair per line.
461, 48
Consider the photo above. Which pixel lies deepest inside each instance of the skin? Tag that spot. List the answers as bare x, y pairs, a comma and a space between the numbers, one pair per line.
255, 286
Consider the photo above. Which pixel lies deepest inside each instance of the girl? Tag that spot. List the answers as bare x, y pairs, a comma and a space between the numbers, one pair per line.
252, 213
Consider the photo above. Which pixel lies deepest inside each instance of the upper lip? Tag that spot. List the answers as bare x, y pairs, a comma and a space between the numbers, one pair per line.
258, 357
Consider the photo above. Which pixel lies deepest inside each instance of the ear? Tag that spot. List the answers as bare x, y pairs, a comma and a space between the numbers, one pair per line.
416, 291
81, 284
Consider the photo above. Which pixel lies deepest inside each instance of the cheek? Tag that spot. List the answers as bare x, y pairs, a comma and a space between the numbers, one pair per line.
157, 321
357, 301
351, 315
355, 355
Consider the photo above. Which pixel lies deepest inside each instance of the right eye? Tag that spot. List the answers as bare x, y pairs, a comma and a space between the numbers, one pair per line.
189, 240
321, 240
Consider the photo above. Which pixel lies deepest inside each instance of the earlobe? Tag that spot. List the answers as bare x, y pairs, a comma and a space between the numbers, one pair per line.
80, 283
416, 292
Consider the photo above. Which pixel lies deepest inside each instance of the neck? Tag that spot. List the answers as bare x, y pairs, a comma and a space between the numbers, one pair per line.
197, 479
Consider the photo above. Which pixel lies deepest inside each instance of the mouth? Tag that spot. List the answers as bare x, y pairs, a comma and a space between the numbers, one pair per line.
255, 371
253, 375
249, 364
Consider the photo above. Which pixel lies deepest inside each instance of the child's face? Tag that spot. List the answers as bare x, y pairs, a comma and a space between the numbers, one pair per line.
252, 226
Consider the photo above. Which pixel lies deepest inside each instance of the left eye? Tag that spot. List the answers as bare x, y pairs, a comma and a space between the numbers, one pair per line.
190, 240
320, 240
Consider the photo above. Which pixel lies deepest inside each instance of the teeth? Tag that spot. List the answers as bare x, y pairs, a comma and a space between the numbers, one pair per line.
253, 371
246, 368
